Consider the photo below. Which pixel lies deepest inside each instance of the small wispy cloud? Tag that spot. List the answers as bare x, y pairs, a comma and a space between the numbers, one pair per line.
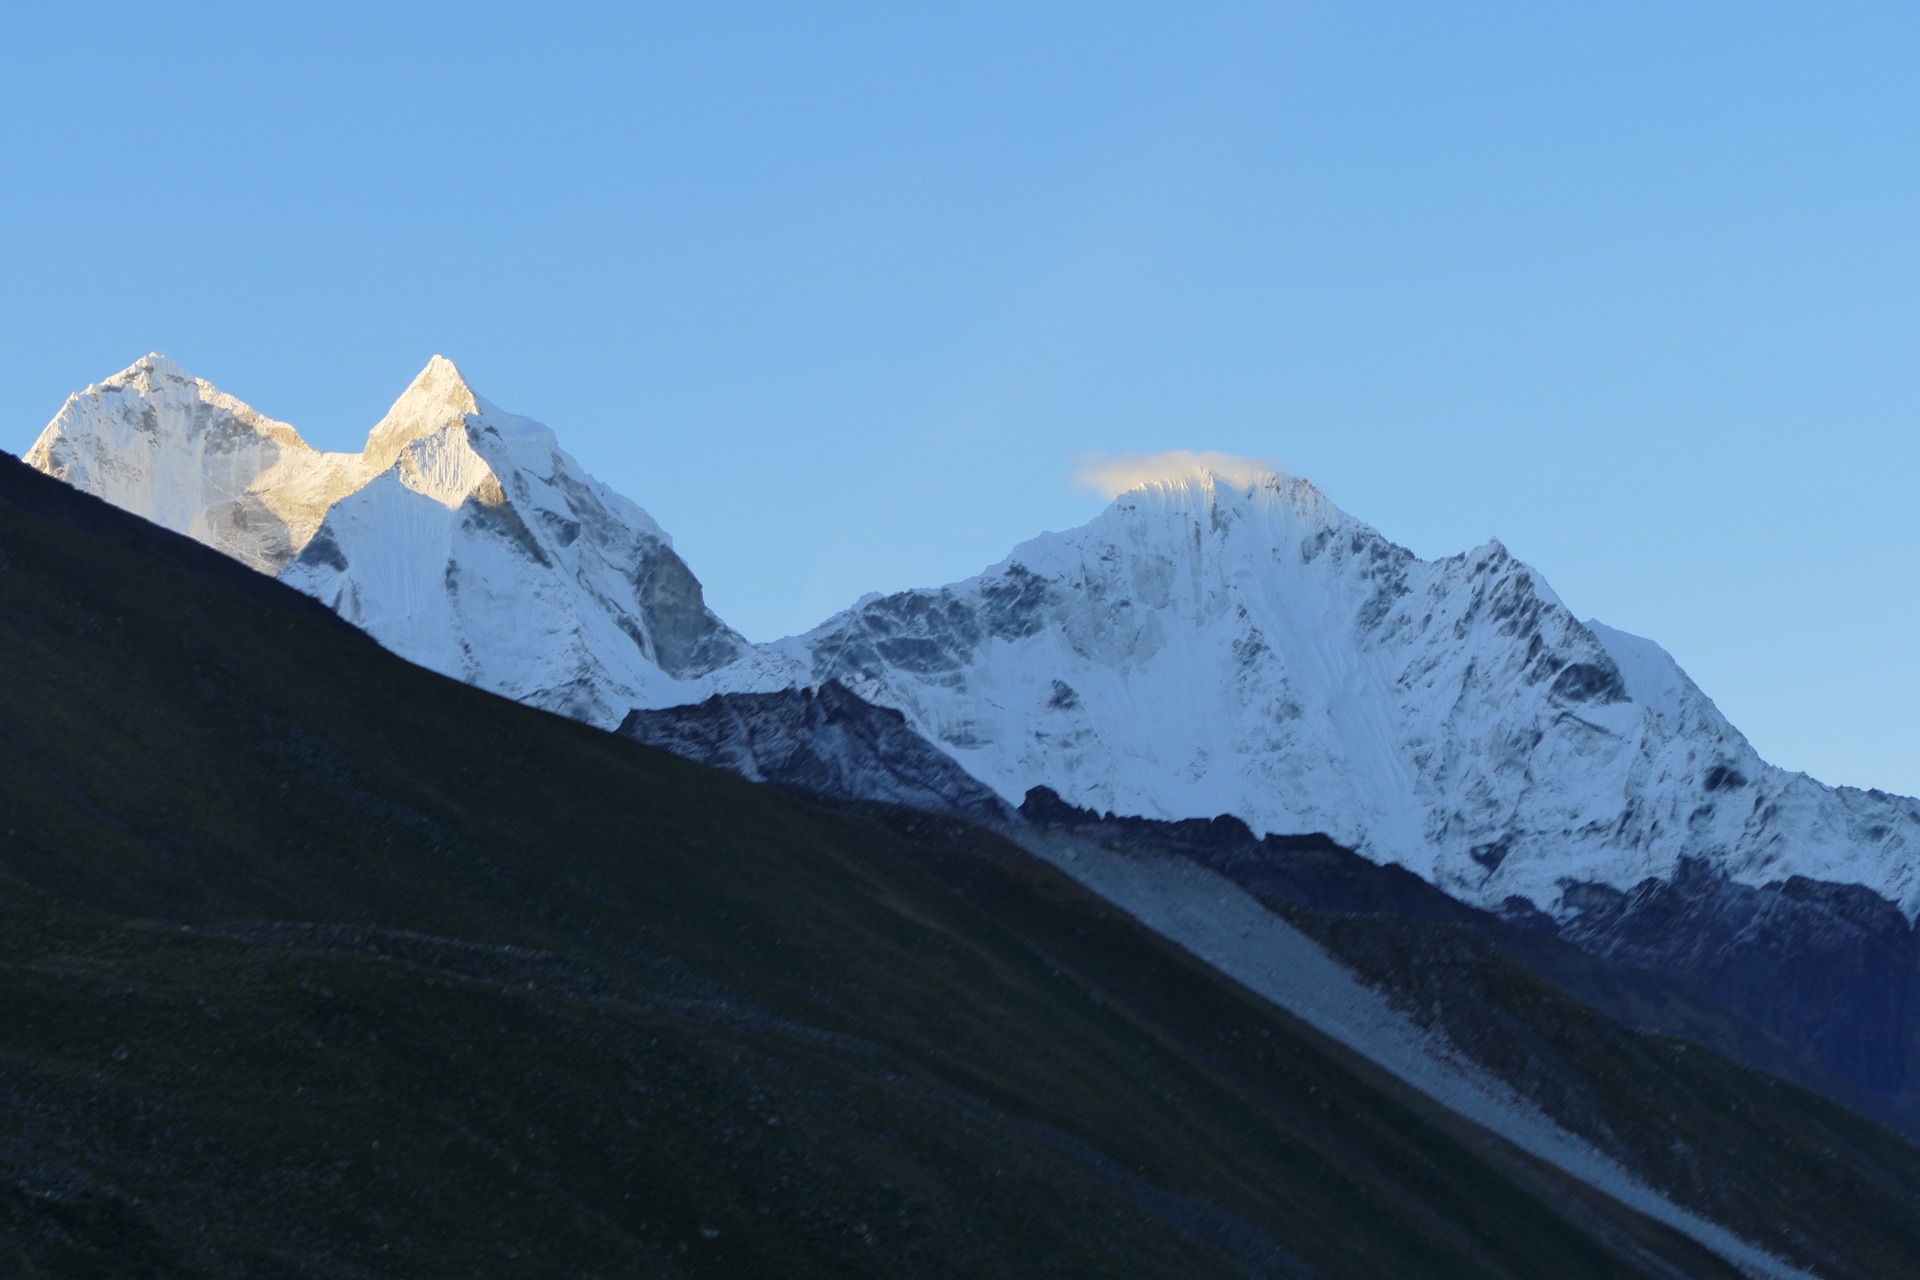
1113, 476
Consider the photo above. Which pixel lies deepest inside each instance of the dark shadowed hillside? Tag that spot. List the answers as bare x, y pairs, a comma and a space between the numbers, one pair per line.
313, 963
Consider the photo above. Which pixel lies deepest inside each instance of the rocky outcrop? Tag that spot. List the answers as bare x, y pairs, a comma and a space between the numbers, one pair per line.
827, 740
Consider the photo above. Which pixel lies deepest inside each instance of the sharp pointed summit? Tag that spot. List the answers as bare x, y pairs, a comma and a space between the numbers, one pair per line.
1223, 639
1212, 646
462, 537
152, 365
436, 399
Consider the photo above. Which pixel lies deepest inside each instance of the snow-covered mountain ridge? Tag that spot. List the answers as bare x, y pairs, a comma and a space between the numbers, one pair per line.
163, 444
462, 537
1205, 646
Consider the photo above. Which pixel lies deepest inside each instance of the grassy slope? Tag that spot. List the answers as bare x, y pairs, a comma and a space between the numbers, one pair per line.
688, 1025
1787, 1168
1312, 871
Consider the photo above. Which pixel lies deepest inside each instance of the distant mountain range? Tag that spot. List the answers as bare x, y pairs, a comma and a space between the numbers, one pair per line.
1201, 648
1359, 915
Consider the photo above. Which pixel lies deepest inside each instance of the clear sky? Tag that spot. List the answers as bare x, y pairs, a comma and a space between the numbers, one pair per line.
841, 292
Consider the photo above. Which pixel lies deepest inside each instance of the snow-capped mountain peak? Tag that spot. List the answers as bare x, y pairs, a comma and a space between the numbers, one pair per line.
1217, 641
158, 441
1239, 645
438, 398
147, 370
462, 536
426, 440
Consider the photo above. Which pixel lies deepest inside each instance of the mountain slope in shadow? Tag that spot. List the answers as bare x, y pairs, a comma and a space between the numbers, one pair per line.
314, 963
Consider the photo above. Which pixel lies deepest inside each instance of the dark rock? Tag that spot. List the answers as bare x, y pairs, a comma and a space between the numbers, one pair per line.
1043, 807
829, 741
1589, 682
1724, 778
687, 639
1833, 969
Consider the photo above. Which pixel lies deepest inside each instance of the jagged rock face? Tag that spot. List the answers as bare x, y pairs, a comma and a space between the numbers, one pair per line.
462, 538
1205, 648
828, 741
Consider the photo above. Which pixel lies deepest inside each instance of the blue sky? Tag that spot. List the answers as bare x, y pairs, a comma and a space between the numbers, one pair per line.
841, 292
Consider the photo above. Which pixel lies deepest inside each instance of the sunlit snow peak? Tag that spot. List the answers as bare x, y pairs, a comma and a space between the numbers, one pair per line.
438, 398
462, 536
1205, 646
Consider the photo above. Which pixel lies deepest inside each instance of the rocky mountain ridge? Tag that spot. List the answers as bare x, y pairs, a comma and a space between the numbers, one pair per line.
463, 538
1203, 647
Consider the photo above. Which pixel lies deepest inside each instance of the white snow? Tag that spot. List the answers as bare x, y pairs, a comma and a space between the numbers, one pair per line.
161, 443
1206, 647
1209, 644
462, 537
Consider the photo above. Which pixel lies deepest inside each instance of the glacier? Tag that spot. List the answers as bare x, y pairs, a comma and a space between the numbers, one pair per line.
1207, 645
